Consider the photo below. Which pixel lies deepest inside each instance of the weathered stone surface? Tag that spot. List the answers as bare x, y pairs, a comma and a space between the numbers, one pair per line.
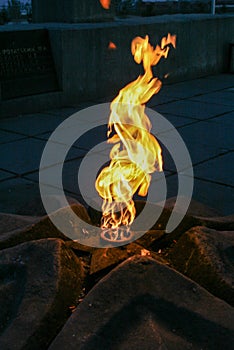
197, 215
42, 228
11, 222
107, 258
150, 237
207, 256
145, 305
40, 280
80, 248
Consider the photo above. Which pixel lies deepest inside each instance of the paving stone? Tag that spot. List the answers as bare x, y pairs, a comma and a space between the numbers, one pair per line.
206, 256
5, 175
178, 121
17, 193
21, 156
220, 197
224, 97
93, 137
22, 196
206, 133
74, 177
143, 304
67, 111
25, 155
35, 206
43, 227
226, 119
204, 140
161, 98
31, 124
193, 109
6, 136
69, 176
39, 282
223, 165
220, 81
187, 89
200, 86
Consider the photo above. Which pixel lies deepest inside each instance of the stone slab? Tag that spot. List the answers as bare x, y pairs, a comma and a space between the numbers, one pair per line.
175, 120
39, 228
21, 156
31, 104
222, 81
210, 193
17, 158
31, 124
194, 109
223, 166
39, 282
225, 97
206, 256
69, 176
22, 196
6, 136
5, 175
218, 196
226, 119
199, 88
17, 193
160, 99
204, 140
10, 222
145, 305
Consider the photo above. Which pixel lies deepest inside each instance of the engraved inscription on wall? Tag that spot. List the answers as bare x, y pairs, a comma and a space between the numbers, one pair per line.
25, 60
26, 64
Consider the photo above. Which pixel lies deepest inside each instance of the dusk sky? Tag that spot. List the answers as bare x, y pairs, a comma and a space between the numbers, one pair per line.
4, 2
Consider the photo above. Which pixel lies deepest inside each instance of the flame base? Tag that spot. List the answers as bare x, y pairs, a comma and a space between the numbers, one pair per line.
119, 235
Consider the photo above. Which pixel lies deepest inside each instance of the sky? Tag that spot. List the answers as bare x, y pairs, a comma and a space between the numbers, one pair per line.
4, 2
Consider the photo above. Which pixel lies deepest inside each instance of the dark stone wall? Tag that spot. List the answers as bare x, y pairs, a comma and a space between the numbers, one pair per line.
87, 70
70, 11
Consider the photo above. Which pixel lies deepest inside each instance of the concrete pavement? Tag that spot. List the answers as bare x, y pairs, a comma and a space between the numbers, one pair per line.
202, 110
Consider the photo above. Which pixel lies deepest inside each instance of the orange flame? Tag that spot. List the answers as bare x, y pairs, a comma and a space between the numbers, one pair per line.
105, 4
112, 46
136, 153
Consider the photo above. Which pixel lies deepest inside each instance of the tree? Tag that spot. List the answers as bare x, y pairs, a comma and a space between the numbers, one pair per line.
14, 9
3, 15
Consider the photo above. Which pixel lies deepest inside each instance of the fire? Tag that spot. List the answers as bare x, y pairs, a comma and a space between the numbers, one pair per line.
136, 154
112, 46
105, 4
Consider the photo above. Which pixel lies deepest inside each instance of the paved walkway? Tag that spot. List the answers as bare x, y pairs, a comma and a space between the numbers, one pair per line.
202, 110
